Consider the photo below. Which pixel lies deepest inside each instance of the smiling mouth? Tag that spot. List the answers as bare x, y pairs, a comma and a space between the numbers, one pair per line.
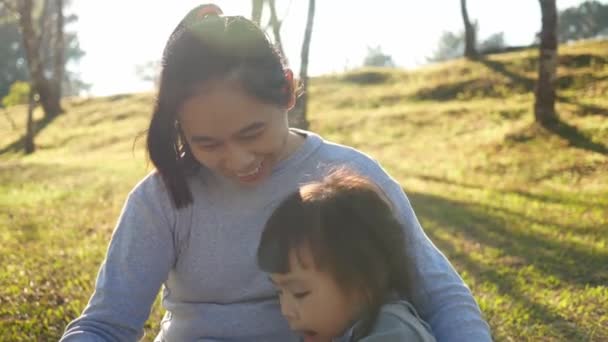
251, 173
250, 176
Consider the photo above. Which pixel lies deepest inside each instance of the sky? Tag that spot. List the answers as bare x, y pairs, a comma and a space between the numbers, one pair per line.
119, 35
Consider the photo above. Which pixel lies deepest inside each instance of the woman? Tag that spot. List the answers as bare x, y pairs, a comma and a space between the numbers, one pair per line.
224, 158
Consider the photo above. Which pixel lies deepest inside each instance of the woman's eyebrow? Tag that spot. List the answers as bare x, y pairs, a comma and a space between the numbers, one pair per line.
243, 131
202, 139
250, 128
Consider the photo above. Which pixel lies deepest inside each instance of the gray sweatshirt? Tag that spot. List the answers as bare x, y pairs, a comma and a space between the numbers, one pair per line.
204, 258
397, 321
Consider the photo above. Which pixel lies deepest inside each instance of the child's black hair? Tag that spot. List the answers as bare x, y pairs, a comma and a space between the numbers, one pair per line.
352, 233
205, 48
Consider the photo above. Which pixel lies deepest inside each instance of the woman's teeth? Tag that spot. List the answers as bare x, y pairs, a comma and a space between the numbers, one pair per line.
251, 173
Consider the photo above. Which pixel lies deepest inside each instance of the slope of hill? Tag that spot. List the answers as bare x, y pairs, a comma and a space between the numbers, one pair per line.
521, 211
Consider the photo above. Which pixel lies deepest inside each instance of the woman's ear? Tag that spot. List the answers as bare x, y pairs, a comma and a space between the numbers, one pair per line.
291, 85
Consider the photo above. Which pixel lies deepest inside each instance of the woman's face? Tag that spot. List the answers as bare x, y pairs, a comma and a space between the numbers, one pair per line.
234, 134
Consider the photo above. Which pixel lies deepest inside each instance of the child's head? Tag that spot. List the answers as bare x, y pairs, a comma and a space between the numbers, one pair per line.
222, 101
335, 251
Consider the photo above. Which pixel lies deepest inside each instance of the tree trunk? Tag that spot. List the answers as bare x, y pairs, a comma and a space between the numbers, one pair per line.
276, 27
29, 126
298, 114
59, 48
10, 119
256, 11
49, 97
544, 106
469, 32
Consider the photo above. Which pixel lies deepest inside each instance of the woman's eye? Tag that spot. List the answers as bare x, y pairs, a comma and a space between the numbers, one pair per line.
251, 136
300, 295
208, 147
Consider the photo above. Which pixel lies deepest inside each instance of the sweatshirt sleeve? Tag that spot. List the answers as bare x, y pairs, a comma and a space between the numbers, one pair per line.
391, 328
440, 295
138, 260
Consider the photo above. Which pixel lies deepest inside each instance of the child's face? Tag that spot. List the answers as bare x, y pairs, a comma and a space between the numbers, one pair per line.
312, 302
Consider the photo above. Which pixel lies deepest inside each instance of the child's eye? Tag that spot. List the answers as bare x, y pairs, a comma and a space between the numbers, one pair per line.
300, 295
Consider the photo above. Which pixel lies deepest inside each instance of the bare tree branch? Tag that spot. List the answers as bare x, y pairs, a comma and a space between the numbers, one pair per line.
276, 27
10, 119
256, 11
43, 23
58, 47
9, 5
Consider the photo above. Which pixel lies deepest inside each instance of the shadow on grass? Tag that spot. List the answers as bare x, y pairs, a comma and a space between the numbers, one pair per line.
555, 199
500, 68
509, 234
584, 108
529, 84
507, 285
576, 138
19, 174
19, 144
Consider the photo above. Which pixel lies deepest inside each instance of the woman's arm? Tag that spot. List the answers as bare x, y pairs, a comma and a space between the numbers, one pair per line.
440, 295
138, 260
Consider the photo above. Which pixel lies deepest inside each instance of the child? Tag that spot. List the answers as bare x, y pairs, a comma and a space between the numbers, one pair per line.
336, 254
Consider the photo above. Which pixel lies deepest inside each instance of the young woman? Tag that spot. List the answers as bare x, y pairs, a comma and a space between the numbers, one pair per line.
224, 158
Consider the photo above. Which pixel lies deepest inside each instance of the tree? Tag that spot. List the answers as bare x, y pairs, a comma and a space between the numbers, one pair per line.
544, 106
298, 113
587, 20
257, 8
276, 27
48, 91
18, 94
21, 93
42, 37
256, 11
29, 127
375, 57
13, 67
469, 32
12, 54
149, 72
495, 42
452, 45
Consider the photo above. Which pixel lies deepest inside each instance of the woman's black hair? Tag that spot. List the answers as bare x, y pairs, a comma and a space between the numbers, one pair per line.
351, 232
206, 47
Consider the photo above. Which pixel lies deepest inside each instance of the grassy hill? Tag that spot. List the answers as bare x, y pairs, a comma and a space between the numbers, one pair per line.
522, 212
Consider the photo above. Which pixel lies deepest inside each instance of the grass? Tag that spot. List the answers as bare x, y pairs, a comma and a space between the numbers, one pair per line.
521, 211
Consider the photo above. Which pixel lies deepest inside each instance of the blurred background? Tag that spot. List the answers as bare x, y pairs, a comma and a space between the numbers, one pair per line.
491, 114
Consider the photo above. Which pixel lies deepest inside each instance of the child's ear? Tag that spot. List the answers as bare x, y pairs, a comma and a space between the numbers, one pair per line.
291, 86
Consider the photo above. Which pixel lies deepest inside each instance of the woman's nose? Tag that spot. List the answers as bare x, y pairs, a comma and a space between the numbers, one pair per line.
239, 159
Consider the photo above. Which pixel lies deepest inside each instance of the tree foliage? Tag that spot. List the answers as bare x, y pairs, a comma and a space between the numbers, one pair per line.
587, 20
376, 57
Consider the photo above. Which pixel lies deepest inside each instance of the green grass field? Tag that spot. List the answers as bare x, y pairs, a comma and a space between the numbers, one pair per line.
521, 211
